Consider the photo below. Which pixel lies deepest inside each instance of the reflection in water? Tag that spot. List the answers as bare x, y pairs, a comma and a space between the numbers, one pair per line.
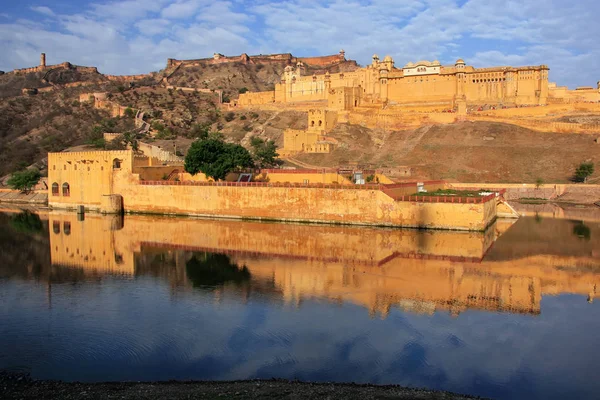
210, 270
298, 301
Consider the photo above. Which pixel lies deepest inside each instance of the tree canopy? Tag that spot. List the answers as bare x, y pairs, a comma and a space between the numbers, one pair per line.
24, 180
264, 152
584, 171
215, 158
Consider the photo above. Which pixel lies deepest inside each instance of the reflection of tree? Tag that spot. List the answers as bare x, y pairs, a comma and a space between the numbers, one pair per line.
26, 222
211, 270
582, 230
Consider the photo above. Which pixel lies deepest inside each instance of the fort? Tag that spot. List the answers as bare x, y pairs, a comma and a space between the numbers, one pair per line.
113, 181
382, 94
283, 58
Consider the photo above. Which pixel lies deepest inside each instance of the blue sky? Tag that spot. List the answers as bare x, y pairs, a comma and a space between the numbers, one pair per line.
137, 36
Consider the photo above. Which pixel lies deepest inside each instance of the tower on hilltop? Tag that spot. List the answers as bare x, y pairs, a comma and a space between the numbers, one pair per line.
43, 60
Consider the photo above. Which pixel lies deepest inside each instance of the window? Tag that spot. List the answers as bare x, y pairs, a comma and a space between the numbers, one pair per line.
67, 228
55, 189
320, 123
56, 227
116, 163
66, 190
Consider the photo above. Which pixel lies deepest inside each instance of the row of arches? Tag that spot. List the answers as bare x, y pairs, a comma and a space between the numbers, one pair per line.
66, 189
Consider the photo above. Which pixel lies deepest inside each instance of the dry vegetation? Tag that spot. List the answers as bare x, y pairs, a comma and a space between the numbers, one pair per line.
467, 152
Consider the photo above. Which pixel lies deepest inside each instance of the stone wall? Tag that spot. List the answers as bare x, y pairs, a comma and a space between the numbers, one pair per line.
311, 204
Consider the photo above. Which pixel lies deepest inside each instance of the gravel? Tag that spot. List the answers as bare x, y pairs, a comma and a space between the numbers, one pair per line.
21, 386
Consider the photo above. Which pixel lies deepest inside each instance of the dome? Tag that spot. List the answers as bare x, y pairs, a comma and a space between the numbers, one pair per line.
423, 62
375, 57
435, 63
388, 59
409, 65
460, 61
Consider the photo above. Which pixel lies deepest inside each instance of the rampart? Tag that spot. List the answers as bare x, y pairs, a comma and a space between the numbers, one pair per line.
159, 153
282, 58
87, 178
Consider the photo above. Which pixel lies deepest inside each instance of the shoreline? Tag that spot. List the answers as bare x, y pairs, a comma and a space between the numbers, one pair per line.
21, 386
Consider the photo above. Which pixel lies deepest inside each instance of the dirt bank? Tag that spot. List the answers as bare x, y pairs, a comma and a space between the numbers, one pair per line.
22, 387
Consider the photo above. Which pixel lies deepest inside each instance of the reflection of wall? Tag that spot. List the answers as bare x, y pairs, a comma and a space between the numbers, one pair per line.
421, 271
415, 284
89, 244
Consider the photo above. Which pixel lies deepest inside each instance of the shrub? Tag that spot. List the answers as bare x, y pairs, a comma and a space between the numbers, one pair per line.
129, 113
242, 90
243, 117
584, 171
230, 116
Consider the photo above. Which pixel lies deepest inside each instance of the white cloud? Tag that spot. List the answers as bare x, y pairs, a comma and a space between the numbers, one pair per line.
112, 34
43, 10
151, 27
181, 9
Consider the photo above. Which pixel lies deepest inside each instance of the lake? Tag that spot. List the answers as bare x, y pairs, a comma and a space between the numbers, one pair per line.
508, 313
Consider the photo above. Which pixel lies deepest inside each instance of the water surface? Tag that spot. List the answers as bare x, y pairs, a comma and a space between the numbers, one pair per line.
509, 313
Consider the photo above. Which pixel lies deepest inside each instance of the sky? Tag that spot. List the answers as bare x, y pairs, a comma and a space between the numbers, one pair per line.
137, 36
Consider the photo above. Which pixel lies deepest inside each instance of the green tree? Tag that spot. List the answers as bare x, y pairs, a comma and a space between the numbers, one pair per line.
24, 180
584, 171
264, 152
242, 90
129, 113
215, 158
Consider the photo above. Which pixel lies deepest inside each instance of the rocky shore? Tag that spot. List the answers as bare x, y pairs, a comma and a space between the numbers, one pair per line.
19, 386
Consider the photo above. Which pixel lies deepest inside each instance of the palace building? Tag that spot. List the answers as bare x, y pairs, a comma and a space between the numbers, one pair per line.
420, 83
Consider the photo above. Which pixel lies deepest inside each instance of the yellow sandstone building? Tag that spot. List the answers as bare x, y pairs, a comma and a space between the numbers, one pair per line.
422, 82
422, 86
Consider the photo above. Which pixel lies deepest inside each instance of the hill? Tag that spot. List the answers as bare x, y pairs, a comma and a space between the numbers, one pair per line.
47, 116
464, 151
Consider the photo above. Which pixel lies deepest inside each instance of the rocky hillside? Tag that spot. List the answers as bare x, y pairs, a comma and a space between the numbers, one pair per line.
54, 120
466, 152
31, 126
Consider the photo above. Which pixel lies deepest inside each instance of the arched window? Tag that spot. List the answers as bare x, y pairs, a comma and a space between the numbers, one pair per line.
320, 122
55, 189
56, 227
66, 189
67, 228
116, 163
312, 123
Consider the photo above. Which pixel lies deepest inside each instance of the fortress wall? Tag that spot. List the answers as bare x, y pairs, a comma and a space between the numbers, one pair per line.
348, 206
89, 176
127, 78
543, 126
323, 60
422, 89
516, 191
256, 98
300, 176
158, 153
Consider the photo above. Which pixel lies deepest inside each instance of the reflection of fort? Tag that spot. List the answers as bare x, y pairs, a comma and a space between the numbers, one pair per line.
422, 271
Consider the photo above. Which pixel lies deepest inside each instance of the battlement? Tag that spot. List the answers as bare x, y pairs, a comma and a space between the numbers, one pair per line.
93, 153
283, 58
